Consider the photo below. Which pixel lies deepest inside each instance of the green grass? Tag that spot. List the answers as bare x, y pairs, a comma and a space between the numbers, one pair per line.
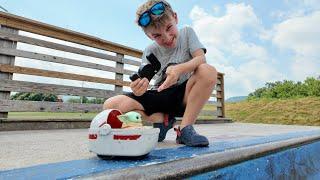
300, 111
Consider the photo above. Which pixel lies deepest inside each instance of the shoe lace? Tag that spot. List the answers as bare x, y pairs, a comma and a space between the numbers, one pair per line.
177, 130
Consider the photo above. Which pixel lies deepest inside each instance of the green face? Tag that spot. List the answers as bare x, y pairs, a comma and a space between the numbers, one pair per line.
130, 117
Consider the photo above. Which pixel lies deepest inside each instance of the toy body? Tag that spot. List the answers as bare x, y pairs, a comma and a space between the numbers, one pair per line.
107, 141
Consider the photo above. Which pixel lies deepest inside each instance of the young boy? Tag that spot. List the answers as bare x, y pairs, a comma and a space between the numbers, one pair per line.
182, 85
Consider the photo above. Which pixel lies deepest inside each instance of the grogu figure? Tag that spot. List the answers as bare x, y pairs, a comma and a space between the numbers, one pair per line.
130, 119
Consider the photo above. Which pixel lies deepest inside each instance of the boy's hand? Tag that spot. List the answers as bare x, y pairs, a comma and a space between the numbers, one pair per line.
139, 86
173, 74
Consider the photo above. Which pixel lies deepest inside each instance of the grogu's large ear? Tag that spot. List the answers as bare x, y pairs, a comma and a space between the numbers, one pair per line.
123, 118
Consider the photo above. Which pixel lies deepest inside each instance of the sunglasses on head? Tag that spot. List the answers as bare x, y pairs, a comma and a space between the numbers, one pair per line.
145, 18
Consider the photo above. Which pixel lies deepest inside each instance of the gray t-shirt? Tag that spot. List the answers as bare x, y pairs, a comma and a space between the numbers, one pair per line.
187, 43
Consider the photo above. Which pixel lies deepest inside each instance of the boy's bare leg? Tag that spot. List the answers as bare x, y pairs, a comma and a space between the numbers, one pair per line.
126, 104
198, 90
154, 118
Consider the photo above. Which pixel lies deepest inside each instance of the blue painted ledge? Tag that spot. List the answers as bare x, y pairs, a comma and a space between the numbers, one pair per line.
297, 163
76, 168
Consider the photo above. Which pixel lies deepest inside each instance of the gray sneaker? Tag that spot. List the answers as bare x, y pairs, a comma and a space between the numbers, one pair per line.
165, 126
190, 137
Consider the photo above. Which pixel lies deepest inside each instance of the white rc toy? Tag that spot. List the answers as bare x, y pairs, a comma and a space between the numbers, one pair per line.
110, 135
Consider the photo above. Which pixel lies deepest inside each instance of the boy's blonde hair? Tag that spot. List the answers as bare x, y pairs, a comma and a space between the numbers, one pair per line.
156, 21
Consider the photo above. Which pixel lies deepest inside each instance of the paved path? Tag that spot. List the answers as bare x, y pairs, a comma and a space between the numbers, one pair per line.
29, 148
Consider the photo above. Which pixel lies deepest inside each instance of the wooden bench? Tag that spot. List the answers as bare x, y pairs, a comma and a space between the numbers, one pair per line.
15, 29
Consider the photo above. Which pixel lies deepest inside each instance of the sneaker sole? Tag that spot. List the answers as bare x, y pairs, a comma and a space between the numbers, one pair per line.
201, 144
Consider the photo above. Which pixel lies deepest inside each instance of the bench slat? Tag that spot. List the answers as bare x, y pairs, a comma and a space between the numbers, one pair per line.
23, 86
210, 113
56, 46
215, 103
43, 106
21, 23
218, 87
61, 75
61, 60
131, 62
61, 47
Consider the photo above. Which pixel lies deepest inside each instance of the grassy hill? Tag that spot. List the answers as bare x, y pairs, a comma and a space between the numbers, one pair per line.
302, 111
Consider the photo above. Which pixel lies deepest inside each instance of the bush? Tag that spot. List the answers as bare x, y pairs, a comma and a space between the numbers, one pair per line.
34, 97
86, 100
288, 89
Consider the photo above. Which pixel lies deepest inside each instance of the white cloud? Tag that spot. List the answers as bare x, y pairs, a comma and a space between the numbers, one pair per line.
296, 8
246, 64
224, 34
248, 76
216, 9
303, 67
305, 4
283, 15
301, 36
314, 4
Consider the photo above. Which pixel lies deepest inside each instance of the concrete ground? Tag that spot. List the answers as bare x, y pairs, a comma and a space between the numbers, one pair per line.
28, 148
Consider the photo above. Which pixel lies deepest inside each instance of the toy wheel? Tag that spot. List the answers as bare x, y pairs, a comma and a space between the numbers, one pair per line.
136, 157
143, 156
104, 157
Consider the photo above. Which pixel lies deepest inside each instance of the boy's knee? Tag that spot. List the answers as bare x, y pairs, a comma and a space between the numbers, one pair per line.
112, 103
122, 103
207, 73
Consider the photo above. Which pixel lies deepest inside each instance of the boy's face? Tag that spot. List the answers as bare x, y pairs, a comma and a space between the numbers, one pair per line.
167, 35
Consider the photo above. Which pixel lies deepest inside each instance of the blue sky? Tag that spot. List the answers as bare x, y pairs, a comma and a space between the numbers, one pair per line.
252, 42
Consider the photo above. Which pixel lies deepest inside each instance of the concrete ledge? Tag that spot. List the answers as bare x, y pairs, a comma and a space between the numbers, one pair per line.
187, 167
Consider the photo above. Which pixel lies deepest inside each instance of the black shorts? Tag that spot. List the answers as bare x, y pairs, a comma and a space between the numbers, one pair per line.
169, 101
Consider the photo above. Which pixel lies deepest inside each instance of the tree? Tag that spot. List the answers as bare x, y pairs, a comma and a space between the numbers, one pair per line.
96, 101
34, 97
312, 86
288, 89
86, 100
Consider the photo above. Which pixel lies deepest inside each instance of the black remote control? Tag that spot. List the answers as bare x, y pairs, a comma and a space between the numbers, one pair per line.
148, 70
